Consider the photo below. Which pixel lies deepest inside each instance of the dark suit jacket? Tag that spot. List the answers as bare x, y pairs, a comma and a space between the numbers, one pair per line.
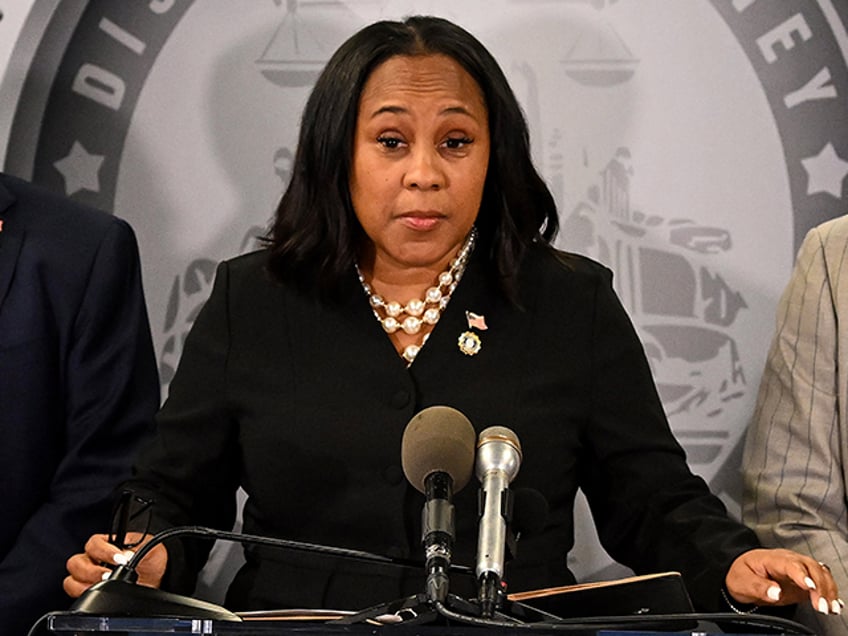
304, 402
78, 387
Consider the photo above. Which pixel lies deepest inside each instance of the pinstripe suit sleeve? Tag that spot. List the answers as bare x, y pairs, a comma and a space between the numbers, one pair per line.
794, 464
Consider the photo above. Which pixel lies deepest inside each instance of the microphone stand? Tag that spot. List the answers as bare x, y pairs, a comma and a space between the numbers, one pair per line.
211, 533
437, 530
437, 604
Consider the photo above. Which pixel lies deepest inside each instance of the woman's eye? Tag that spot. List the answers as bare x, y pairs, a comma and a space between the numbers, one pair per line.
455, 143
389, 142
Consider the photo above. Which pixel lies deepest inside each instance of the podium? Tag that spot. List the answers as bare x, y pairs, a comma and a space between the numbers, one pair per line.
70, 624
120, 607
75, 624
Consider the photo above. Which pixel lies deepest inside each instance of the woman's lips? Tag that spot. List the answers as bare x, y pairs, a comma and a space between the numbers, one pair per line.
421, 220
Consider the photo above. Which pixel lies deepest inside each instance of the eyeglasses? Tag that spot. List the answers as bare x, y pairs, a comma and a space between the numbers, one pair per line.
130, 511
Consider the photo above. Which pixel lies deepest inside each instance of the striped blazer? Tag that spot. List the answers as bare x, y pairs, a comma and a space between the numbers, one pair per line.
795, 463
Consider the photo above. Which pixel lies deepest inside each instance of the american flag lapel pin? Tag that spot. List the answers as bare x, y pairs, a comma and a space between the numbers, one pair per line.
476, 321
469, 342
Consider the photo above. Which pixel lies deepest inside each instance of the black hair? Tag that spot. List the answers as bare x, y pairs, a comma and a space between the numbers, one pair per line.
315, 233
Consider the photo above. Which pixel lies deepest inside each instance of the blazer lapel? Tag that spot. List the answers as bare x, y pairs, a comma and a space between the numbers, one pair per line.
11, 239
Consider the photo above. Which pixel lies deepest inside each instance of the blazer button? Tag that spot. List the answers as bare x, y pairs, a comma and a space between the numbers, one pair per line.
393, 475
400, 399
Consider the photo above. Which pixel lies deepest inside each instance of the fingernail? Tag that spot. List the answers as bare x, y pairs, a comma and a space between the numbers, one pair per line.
822, 605
774, 593
835, 607
120, 558
105, 576
129, 554
809, 582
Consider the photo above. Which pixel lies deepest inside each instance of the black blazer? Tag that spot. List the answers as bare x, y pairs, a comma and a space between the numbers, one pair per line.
78, 387
304, 402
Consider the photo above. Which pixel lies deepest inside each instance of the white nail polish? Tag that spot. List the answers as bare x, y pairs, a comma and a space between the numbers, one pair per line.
822, 605
774, 593
105, 576
129, 554
835, 607
120, 558
809, 582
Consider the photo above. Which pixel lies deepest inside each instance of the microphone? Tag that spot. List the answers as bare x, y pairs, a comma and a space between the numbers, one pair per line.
437, 455
119, 595
498, 460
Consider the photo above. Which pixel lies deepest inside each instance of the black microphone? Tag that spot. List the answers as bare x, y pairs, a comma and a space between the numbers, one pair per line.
498, 460
437, 454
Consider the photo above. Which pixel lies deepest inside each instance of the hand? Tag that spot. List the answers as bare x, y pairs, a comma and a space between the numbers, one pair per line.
782, 577
86, 569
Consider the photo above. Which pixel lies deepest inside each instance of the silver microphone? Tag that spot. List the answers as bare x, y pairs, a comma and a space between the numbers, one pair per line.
496, 465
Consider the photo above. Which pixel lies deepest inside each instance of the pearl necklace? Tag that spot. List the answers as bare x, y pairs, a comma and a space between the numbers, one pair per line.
420, 312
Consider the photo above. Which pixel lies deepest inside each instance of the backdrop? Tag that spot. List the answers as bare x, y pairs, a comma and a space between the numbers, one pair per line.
689, 144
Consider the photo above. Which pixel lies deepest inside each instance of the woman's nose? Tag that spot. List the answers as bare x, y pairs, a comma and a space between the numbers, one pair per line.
425, 172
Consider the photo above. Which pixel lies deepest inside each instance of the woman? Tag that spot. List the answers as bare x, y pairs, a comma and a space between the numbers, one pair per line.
413, 171
794, 465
